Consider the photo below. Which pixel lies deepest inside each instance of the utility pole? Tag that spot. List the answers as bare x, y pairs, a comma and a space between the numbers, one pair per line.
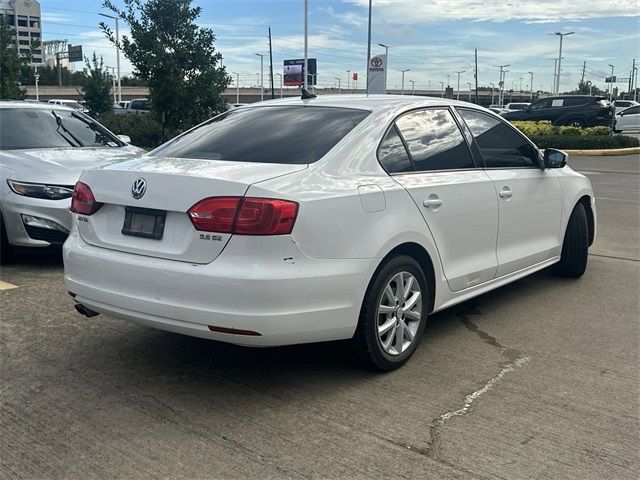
117, 51
458, 89
36, 76
262, 76
555, 76
611, 85
280, 75
635, 81
273, 94
339, 89
237, 86
584, 69
561, 35
403, 71
369, 49
531, 86
475, 75
501, 84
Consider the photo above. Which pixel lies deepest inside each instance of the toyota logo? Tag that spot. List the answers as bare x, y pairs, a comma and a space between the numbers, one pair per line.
138, 188
376, 62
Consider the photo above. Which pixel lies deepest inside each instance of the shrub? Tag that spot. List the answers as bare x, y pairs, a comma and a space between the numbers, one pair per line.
584, 142
144, 130
532, 129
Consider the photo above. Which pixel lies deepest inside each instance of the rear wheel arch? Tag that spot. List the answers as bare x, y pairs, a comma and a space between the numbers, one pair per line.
585, 200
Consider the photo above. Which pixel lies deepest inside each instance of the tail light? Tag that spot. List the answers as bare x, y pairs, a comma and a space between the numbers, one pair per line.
83, 200
244, 215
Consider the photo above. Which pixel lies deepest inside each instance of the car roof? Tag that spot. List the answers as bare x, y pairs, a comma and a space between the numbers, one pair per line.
366, 102
32, 105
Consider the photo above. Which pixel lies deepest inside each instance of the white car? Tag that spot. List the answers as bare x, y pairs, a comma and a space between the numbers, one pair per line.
515, 106
69, 103
621, 105
337, 217
628, 119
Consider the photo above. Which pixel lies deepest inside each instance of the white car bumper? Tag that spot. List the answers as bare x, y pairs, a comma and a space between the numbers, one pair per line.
36, 222
274, 290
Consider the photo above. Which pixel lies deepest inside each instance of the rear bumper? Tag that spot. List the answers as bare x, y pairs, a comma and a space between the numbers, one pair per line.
273, 290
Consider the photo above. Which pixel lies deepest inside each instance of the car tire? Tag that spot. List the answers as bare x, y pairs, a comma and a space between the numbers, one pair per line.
575, 248
389, 349
577, 122
6, 250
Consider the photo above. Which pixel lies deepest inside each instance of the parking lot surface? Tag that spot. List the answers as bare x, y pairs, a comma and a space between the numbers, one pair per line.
536, 380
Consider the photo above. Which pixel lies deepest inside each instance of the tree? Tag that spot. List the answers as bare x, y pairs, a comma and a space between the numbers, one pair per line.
175, 56
97, 86
11, 63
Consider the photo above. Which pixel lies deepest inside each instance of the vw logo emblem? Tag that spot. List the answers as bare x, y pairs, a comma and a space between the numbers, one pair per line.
138, 188
376, 62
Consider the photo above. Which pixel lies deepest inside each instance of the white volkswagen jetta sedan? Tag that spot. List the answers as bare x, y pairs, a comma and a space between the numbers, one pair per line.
296, 221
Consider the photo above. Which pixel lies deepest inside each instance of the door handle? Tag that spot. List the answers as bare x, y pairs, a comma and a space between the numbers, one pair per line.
505, 192
432, 202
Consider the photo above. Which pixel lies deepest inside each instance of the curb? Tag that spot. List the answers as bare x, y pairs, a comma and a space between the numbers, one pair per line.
604, 153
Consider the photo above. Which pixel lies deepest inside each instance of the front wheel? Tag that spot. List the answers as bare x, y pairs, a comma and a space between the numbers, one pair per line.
5, 247
393, 315
575, 248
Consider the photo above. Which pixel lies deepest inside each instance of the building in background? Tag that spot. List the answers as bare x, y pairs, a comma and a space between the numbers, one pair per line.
25, 17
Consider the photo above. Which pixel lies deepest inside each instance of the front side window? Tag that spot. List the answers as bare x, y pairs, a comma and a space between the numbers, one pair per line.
500, 145
632, 110
392, 154
541, 104
434, 140
279, 134
23, 128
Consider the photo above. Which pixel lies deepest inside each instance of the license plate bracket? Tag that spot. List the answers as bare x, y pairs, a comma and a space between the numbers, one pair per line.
144, 222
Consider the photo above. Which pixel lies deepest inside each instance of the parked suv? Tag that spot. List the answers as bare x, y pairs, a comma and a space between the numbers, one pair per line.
575, 110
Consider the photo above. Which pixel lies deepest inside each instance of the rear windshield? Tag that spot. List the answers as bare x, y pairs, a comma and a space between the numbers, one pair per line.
22, 128
290, 134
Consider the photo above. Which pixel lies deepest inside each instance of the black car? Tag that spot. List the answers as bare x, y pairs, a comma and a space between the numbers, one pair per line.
575, 110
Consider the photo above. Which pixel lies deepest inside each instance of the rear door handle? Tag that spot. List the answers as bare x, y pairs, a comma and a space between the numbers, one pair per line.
505, 192
432, 202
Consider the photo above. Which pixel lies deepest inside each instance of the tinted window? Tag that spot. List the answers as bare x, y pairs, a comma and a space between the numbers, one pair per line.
392, 154
140, 105
38, 128
575, 102
295, 135
632, 110
619, 103
546, 103
434, 140
501, 146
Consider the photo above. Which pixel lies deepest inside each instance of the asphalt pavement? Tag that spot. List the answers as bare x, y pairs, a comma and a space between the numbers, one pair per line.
537, 380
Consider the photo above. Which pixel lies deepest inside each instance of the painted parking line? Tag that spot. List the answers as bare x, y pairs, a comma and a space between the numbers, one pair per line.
6, 285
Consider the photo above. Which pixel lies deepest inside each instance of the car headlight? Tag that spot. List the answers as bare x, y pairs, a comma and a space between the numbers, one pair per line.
38, 190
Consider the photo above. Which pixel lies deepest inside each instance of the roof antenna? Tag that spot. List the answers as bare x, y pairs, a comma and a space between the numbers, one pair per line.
305, 93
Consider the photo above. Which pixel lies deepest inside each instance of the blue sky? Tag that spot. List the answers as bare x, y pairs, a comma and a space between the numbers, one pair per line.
432, 38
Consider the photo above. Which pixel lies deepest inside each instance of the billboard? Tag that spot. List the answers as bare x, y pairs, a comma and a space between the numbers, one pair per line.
293, 74
377, 75
75, 53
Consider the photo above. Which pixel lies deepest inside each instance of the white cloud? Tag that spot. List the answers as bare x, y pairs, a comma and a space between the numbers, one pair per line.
406, 11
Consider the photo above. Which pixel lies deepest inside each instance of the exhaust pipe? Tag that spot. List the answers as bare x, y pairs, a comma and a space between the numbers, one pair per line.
81, 309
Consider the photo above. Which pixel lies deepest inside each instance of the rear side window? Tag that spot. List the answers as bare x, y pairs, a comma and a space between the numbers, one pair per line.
434, 140
575, 102
290, 134
500, 145
392, 154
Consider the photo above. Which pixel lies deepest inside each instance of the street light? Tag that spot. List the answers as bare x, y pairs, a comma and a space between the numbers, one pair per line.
458, 92
561, 35
501, 83
280, 75
237, 86
403, 71
611, 84
262, 76
339, 89
118, 51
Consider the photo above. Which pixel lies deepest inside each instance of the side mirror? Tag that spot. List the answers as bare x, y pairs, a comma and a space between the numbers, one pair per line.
124, 138
554, 158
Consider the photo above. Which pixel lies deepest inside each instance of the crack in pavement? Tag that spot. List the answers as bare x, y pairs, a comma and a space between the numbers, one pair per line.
514, 359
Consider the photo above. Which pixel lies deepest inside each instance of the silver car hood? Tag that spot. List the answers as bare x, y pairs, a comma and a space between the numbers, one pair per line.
61, 166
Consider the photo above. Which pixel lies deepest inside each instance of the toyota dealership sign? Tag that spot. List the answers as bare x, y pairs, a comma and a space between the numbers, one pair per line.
377, 75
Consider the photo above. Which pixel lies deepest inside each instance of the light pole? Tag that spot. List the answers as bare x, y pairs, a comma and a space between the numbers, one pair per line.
441, 89
368, 47
413, 87
493, 87
280, 75
561, 35
458, 90
531, 86
36, 76
348, 79
118, 52
468, 83
237, 86
611, 85
501, 84
339, 89
262, 76
403, 71
113, 78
